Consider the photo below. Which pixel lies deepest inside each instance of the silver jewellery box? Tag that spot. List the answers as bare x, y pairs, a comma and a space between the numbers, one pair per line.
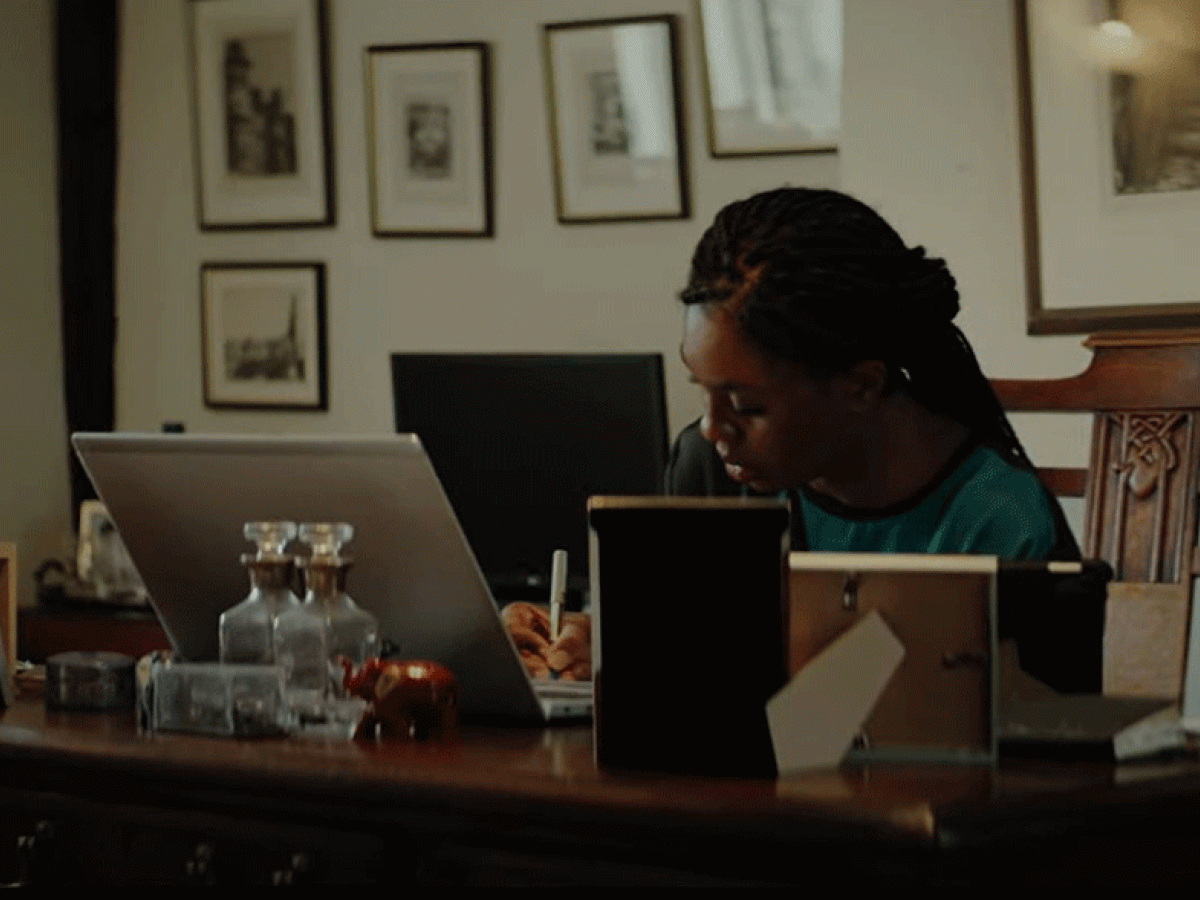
99, 681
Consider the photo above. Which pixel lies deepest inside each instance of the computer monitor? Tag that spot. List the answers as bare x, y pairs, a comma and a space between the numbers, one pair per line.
520, 441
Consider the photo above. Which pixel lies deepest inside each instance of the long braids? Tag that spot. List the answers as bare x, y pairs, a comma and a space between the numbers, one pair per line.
818, 278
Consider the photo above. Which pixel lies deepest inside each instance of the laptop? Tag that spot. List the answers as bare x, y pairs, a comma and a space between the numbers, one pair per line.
179, 503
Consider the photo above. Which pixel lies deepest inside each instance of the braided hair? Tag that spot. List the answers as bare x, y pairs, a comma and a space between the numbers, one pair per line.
818, 278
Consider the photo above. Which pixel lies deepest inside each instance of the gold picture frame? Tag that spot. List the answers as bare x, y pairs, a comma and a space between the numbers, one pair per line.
772, 76
616, 119
1095, 259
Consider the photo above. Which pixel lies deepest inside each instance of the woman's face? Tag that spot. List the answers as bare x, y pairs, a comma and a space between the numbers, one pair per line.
774, 426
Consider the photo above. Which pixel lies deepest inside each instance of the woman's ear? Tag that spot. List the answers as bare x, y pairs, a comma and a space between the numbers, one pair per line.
867, 381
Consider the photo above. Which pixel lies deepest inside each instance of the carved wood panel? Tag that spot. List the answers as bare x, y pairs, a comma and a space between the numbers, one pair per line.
1142, 508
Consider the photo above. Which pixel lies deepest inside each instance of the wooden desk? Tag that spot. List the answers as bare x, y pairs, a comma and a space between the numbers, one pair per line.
45, 630
522, 806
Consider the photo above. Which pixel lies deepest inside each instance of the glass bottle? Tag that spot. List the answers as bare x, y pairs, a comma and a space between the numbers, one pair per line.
246, 630
328, 625
352, 631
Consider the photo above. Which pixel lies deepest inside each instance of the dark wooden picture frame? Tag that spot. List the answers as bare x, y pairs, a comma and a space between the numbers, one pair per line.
1127, 229
620, 153
429, 140
261, 115
263, 335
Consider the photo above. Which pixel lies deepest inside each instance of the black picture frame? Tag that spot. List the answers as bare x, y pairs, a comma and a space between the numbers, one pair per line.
429, 139
263, 342
261, 114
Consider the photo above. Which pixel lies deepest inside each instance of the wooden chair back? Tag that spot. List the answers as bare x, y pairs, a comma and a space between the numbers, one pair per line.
1140, 491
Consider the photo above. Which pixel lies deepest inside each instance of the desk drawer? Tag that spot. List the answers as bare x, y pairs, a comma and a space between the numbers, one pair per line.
61, 840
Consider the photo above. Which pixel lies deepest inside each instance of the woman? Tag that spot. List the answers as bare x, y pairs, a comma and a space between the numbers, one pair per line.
831, 371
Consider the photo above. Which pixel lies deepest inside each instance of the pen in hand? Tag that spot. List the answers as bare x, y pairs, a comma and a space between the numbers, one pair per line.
558, 590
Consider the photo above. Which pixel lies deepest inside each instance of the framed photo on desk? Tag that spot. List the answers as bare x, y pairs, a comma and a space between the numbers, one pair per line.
8, 620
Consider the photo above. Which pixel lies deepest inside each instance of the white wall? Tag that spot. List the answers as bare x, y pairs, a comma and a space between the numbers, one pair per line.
929, 138
930, 125
34, 496
536, 286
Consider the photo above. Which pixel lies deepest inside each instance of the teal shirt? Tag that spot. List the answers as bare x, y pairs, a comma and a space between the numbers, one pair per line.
980, 504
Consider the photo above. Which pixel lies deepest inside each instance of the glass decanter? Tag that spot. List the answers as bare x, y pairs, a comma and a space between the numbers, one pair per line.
247, 629
328, 625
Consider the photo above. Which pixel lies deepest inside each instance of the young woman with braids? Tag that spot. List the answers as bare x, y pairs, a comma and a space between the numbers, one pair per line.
831, 370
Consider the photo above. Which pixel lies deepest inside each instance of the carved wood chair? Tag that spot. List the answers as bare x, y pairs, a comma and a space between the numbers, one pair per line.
1140, 492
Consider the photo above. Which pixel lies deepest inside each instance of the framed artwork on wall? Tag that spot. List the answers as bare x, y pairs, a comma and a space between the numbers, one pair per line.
1110, 163
263, 335
429, 140
772, 75
616, 123
261, 113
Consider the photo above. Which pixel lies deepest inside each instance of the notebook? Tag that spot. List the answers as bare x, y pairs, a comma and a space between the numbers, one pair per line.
179, 503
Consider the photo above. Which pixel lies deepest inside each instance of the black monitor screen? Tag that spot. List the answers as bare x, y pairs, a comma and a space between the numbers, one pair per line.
520, 441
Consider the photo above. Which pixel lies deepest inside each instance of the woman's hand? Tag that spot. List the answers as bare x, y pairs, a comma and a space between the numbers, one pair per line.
529, 626
570, 657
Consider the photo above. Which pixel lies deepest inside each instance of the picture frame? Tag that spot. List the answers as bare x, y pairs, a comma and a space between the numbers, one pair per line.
261, 114
101, 561
616, 119
1096, 258
429, 138
8, 622
772, 73
263, 335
